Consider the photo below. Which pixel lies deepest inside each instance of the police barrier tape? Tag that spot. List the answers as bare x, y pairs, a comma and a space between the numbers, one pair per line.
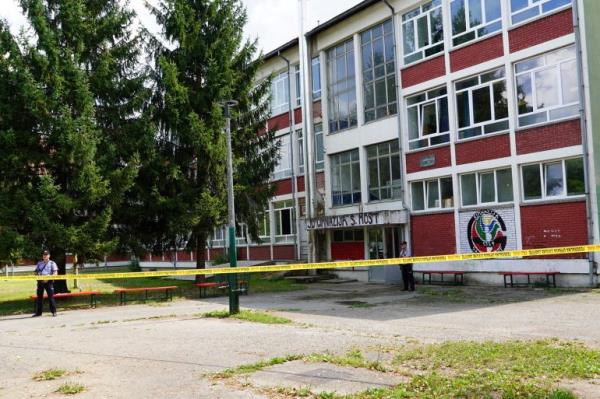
323, 265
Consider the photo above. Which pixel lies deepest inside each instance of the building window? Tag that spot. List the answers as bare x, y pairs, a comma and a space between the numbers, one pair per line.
481, 104
284, 221
490, 187
319, 147
547, 87
378, 68
300, 152
350, 235
522, 10
384, 171
264, 226
218, 237
316, 78
298, 85
422, 31
283, 168
280, 94
472, 19
341, 87
428, 119
432, 194
547, 180
345, 178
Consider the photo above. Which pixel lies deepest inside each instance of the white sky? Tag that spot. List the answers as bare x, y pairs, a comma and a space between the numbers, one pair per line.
273, 22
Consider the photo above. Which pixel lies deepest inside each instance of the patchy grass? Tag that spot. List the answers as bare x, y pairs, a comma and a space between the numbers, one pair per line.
248, 315
50, 374
352, 358
70, 389
253, 367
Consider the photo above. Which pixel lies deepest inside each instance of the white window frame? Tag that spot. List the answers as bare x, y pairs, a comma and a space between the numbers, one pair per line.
319, 163
542, 171
349, 83
425, 187
424, 10
298, 83
573, 106
469, 90
278, 207
427, 101
396, 184
532, 6
336, 165
315, 65
280, 94
284, 171
476, 28
299, 155
478, 188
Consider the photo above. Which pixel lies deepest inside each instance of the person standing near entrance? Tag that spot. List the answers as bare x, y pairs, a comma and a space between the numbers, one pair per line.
45, 267
407, 269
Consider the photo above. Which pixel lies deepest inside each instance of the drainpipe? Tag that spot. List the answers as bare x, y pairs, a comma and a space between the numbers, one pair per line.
584, 139
398, 118
292, 124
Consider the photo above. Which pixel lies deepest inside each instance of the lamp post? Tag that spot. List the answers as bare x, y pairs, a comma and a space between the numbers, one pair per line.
234, 300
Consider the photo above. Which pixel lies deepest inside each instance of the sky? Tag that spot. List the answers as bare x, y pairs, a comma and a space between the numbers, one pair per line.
273, 22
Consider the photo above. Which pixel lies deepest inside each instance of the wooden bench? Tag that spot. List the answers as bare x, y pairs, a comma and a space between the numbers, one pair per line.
508, 278
167, 289
458, 276
91, 294
220, 286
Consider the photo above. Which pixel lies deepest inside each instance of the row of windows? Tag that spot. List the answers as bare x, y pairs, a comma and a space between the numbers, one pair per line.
283, 169
540, 181
280, 89
546, 90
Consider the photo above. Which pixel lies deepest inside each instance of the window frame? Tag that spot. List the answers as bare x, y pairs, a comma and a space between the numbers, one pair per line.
439, 136
315, 65
531, 74
535, 4
542, 176
478, 188
425, 189
390, 155
336, 123
319, 163
428, 8
278, 172
336, 168
280, 81
298, 85
477, 29
278, 208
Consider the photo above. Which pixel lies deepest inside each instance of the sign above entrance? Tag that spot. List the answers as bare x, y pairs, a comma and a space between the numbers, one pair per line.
357, 220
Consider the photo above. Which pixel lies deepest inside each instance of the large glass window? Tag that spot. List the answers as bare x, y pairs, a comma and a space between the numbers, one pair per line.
316, 78
489, 187
384, 171
432, 194
300, 151
264, 226
298, 85
556, 179
379, 75
522, 10
283, 168
280, 94
319, 147
547, 87
345, 178
472, 19
481, 104
341, 87
422, 31
348, 235
284, 221
428, 119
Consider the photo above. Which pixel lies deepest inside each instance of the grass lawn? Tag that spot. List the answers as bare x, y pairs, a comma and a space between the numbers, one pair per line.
14, 295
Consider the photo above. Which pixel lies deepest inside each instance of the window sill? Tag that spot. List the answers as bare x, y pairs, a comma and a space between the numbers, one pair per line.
422, 60
482, 136
385, 201
348, 129
474, 41
537, 17
432, 211
407, 152
557, 200
553, 122
381, 119
344, 206
491, 205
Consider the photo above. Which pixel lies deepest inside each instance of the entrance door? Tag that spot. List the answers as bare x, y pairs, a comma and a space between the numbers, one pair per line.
376, 251
389, 239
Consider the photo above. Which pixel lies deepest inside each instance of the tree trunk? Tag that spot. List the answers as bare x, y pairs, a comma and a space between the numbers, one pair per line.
200, 256
60, 286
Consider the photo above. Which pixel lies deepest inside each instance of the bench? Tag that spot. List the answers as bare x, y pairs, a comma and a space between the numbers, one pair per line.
167, 289
221, 284
508, 278
458, 276
91, 294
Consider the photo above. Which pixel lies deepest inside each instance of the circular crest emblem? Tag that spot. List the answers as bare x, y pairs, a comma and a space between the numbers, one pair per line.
486, 232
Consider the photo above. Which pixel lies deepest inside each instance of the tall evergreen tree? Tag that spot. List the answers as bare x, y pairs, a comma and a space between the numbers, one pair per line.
204, 62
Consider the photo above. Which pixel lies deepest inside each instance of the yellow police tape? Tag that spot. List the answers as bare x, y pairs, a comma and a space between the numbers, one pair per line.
324, 265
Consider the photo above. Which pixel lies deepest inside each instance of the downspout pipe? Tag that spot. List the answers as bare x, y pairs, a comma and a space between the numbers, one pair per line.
292, 124
399, 120
584, 141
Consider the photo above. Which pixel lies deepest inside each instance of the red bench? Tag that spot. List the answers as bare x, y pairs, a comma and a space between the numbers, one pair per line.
167, 289
508, 278
91, 294
220, 285
458, 276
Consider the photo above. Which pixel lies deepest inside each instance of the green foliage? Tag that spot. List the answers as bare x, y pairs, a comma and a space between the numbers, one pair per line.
50, 374
253, 367
352, 358
71, 389
248, 315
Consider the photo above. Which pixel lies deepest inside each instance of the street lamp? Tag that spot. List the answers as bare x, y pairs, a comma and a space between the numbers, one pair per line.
234, 300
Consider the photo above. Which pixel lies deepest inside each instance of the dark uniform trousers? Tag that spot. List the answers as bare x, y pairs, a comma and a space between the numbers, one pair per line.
47, 286
408, 277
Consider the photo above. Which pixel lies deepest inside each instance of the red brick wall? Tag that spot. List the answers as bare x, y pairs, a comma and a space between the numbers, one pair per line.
320, 180
433, 234
262, 252
476, 53
554, 225
283, 187
242, 253
280, 121
214, 252
442, 159
483, 149
300, 183
541, 30
347, 250
283, 252
548, 137
423, 71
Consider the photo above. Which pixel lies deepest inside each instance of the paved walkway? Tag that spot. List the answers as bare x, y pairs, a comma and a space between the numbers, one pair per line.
163, 350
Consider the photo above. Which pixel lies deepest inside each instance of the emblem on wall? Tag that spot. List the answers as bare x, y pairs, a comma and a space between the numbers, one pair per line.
486, 232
